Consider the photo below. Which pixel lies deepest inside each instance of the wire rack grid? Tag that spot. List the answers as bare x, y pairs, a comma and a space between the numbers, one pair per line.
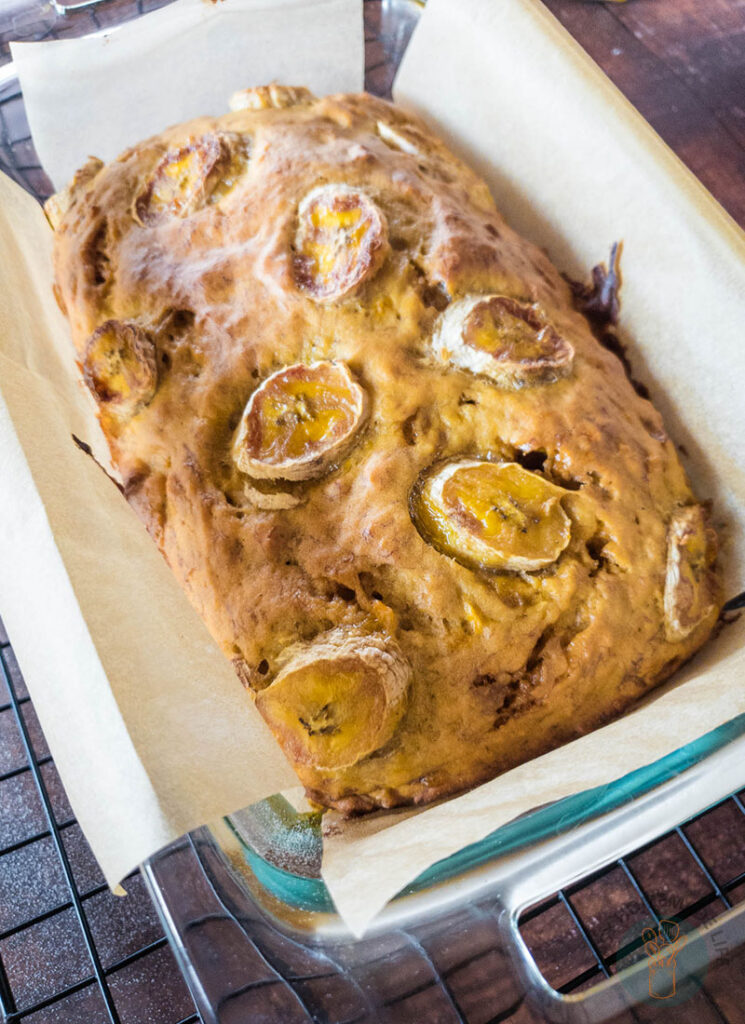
52, 917
57, 962
573, 935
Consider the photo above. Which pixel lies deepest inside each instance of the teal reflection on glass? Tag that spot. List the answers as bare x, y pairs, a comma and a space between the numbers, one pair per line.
311, 893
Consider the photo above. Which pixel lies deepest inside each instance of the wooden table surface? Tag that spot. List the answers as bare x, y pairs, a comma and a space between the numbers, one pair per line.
682, 64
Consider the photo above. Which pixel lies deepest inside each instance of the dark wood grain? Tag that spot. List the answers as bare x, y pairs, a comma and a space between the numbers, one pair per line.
682, 64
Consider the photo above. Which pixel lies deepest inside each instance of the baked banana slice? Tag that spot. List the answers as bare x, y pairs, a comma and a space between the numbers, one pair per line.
120, 368
492, 515
509, 341
266, 97
338, 699
689, 588
341, 241
299, 422
200, 172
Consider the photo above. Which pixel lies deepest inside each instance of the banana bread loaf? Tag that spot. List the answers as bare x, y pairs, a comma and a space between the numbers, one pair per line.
418, 504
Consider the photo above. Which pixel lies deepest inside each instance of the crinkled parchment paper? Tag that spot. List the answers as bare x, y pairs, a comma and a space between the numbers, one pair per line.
573, 167
151, 730
99, 94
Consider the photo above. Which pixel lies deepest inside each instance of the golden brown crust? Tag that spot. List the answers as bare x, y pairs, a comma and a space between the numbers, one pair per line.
57, 205
502, 665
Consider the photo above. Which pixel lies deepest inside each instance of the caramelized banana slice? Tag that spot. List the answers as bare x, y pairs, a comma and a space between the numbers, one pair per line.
119, 367
201, 171
57, 205
338, 700
492, 515
264, 97
689, 591
299, 421
499, 337
341, 241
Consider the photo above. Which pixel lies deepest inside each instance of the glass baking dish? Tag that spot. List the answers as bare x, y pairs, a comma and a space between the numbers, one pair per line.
246, 891
242, 901
265, 895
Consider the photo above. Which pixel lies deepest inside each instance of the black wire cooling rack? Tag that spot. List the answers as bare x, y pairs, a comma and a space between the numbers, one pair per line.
71, 953
692, 875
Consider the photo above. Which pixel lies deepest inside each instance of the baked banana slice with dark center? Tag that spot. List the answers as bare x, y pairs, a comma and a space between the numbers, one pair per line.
690, 596
198, 173
299, 422
341, 241
119, 366
338, 699
492, 515
498, 337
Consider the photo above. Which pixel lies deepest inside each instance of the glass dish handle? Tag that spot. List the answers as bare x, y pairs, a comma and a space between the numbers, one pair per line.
240, 967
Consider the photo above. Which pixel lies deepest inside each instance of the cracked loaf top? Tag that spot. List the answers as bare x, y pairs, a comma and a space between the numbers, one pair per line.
417, 503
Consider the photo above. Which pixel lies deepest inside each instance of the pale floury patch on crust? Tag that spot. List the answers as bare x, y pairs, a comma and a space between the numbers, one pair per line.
499, 337
299, 422
337, 699
271, 500
394, 138
689, 600
266, 97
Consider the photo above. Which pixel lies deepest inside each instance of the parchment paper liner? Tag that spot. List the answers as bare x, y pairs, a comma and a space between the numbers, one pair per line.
150, 728
574, 167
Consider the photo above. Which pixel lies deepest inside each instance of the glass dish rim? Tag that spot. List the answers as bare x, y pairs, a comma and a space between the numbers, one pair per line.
552, 821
